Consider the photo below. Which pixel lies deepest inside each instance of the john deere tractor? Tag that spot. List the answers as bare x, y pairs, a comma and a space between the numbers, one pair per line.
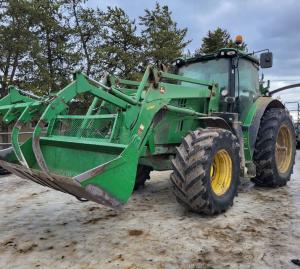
209, 119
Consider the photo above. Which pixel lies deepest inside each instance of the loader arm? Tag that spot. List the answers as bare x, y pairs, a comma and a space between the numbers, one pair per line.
105, 165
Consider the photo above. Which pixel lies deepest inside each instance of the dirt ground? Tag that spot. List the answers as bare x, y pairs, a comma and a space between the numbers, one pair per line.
42, 228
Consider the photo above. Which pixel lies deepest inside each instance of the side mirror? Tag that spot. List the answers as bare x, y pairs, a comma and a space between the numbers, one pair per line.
266, 59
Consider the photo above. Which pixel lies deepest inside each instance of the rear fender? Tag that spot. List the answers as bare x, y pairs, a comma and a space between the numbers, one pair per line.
252, 122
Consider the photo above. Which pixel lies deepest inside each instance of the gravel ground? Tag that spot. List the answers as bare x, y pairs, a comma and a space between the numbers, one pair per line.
42, 228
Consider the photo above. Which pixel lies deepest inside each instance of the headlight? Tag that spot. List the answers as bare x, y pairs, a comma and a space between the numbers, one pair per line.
224, 92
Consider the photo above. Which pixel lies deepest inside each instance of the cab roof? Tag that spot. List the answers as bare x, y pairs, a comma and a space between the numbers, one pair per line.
221, 53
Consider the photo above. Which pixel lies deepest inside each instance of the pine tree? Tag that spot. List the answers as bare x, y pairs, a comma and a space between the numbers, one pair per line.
52, 51
163, 39
88, 30
42, 41
215, 40
14, 46
14, 42
122, 46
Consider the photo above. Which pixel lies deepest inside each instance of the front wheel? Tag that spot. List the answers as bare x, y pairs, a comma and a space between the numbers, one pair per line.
206, 171
275, 148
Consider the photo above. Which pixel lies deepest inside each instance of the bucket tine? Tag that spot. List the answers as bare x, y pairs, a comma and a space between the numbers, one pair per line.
15, 136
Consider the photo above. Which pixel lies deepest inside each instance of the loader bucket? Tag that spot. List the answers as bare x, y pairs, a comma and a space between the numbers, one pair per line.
92, 156
101, 172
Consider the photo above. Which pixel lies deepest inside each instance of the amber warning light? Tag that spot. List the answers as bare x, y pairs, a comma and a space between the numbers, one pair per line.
238, 40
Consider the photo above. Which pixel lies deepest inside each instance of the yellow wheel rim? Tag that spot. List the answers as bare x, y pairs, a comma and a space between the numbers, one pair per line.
221, 172
283, 149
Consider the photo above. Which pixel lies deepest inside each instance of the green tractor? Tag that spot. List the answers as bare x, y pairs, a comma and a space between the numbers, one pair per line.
210, 120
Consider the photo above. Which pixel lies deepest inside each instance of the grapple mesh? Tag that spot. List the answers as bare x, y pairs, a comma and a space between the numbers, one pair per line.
83, 127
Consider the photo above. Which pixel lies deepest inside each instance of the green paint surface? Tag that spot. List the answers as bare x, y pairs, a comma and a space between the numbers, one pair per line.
127, 123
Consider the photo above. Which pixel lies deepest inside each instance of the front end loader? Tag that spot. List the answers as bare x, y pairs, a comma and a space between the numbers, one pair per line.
209, 120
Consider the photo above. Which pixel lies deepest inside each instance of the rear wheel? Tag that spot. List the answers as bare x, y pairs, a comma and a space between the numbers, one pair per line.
275, 148
206, 171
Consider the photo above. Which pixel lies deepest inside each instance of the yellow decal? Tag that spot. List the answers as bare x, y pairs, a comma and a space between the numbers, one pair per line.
141, 129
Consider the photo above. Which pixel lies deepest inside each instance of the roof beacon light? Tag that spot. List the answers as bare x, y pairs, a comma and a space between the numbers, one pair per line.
238, 40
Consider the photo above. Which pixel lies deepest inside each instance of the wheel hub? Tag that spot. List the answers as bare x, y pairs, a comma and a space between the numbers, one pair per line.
283, 149
221, 172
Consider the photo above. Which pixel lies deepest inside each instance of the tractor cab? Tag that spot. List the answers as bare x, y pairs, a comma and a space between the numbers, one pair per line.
236, 72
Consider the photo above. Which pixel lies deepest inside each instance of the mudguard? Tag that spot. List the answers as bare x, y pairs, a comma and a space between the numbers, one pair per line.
252, 122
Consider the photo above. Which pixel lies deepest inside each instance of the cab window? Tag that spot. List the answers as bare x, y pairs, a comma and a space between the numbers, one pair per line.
210, 71
246, 85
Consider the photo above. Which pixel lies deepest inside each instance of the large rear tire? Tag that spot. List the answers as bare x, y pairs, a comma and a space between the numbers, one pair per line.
275, 148
206, 171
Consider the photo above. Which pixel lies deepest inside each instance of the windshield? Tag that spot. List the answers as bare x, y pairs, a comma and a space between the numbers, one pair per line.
210, 71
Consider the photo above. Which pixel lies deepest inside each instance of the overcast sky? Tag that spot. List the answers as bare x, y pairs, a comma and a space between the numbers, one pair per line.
263, 24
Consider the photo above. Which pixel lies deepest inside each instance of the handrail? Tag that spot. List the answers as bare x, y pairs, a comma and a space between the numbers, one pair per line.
101, 116
184, 79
